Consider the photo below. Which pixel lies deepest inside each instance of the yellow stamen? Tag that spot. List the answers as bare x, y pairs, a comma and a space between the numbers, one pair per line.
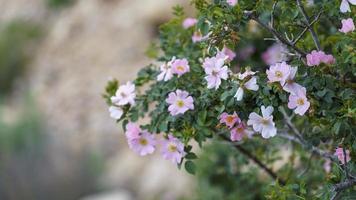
180, 103
180, 68
300, 101
143, 141
172, 148
279, 74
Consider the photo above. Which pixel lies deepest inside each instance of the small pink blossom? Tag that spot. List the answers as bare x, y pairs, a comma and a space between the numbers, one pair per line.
347, 25
173, 149
315, 58
115, 112
215, 71
247, 73
275, 54
249, 85
299, 102
263, 124
226, 53
124, 95
179, 102
345, 7
133, 131
246, 52
189, 22
240, 131
291, 86
229, 120
232, 2
166, 71
180, 67
278, 72
339, 152
144, 144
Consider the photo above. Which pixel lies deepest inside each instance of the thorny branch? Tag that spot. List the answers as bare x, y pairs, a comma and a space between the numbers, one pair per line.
307, 27
339, 187
255, 160
308, 23
252, 15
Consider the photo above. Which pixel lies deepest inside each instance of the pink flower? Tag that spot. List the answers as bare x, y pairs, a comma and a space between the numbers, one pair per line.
166, 71
189, 22
115, 112
232, 2
180, 66
246, 52
278, 72
250, 85
263, 124
133, 131
275, 54
291, 86
180, 102
299, 101
240, 131
339, 152
317, 57
144, 144
247, 73
347, 25
124, 95
229, 120
173, 149
215, 71
226, 53
345, 7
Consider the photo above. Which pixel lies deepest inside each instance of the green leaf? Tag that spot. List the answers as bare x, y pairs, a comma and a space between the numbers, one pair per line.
190, 167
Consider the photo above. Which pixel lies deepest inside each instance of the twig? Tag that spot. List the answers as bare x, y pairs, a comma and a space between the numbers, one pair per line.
311, 29
299, 139
255, 160
316, 18
338, 188
252, 15
272, 14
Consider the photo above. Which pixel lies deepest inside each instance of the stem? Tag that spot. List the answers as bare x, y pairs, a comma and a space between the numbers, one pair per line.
253, 16
255, 160
309, 26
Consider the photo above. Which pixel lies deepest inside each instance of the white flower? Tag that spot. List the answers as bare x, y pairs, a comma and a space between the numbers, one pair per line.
263, 124
250, 85
215, 71
115, 112
345, 6
124, 95
166, 71
290, 85
247, 73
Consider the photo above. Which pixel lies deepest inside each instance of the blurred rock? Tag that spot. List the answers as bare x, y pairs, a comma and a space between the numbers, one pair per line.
86, 44
114, 195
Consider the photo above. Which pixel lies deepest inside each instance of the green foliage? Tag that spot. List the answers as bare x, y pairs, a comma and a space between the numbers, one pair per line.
15, 39
330, 122
55, 4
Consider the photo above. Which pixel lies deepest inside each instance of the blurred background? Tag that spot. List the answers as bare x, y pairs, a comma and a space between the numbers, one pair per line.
57, 140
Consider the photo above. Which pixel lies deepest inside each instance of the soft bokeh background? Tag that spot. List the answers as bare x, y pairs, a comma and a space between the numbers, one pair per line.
56, 138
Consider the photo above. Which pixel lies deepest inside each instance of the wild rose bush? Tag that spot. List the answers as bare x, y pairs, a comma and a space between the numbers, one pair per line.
269, 79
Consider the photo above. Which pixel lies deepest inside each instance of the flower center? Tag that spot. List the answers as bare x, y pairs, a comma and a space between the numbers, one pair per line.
240, 129
229, 119
278, 74
180, 103
143, 141
265, 121
123, 94
300, 101
172, 148
214, 73
180, 68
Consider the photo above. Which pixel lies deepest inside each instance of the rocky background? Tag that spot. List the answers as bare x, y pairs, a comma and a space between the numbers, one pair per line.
84, 154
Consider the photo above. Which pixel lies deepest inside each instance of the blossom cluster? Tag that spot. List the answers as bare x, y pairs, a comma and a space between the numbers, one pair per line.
143, 143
